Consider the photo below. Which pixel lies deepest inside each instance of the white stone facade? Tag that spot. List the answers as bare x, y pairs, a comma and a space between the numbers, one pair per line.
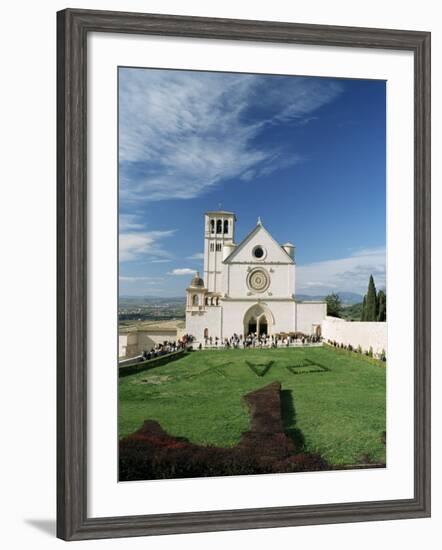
247, 287
356, 333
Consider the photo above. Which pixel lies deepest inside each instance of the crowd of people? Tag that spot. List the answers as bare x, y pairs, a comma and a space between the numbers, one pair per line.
236, 341
167, 347
254, 340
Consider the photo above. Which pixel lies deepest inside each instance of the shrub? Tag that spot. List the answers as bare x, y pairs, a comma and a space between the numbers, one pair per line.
140, 460
151, 453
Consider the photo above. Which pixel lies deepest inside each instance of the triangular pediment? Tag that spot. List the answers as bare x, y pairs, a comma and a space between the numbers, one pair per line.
259, 236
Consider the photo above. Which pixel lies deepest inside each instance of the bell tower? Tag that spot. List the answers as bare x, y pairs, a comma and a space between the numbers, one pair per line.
219, 232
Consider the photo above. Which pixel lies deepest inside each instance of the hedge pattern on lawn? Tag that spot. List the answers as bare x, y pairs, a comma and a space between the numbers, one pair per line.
307, 367
260, 369
151, 453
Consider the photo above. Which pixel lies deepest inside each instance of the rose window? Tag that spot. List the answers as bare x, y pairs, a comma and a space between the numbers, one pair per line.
258, 280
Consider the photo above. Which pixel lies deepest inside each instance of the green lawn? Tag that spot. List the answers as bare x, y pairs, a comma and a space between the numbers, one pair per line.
334, 405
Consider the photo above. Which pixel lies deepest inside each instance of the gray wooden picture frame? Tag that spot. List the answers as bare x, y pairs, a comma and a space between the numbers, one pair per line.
73, 27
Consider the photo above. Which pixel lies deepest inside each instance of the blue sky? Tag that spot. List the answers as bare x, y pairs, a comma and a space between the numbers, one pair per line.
305, 154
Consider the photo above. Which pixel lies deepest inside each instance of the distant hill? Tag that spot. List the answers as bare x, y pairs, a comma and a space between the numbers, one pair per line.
151, 300
150, 308
352, 312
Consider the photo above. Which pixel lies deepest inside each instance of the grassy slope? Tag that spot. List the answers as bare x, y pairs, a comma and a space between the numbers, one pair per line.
339, 413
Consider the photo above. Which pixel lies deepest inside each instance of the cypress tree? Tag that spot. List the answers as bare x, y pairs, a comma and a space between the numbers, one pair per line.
364, 309
371, 301
382, 306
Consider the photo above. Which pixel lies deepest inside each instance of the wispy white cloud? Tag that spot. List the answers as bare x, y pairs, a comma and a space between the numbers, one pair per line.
136, 244
349, 274
129, 222
182, 271
196, 256
181, 133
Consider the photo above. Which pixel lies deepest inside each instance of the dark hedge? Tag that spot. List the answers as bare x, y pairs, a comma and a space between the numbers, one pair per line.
151, 453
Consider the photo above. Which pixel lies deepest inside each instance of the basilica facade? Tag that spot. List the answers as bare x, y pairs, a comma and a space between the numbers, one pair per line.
247, 287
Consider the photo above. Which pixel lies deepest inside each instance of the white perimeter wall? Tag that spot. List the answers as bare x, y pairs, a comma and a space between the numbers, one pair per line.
309, 314
133, 343
356, 333
148, 340
128, 344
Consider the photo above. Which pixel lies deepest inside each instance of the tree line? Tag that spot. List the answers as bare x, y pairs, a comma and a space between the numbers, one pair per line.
374, 304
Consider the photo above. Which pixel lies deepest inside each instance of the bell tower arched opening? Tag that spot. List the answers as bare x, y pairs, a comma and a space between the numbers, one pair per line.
219, 234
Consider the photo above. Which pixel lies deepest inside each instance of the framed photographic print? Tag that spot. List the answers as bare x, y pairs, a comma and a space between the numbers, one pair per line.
243, 274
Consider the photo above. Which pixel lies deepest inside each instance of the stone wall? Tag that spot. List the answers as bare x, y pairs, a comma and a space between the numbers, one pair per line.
356, 333
128, 344
131, 344
310, 315
147, 340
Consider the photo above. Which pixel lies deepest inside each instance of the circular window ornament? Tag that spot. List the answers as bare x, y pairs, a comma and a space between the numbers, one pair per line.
258, 280
259, 252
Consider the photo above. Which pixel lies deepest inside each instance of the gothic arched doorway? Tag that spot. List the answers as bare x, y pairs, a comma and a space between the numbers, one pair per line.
258, 319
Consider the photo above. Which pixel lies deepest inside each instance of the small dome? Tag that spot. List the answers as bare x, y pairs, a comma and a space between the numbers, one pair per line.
197, 281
